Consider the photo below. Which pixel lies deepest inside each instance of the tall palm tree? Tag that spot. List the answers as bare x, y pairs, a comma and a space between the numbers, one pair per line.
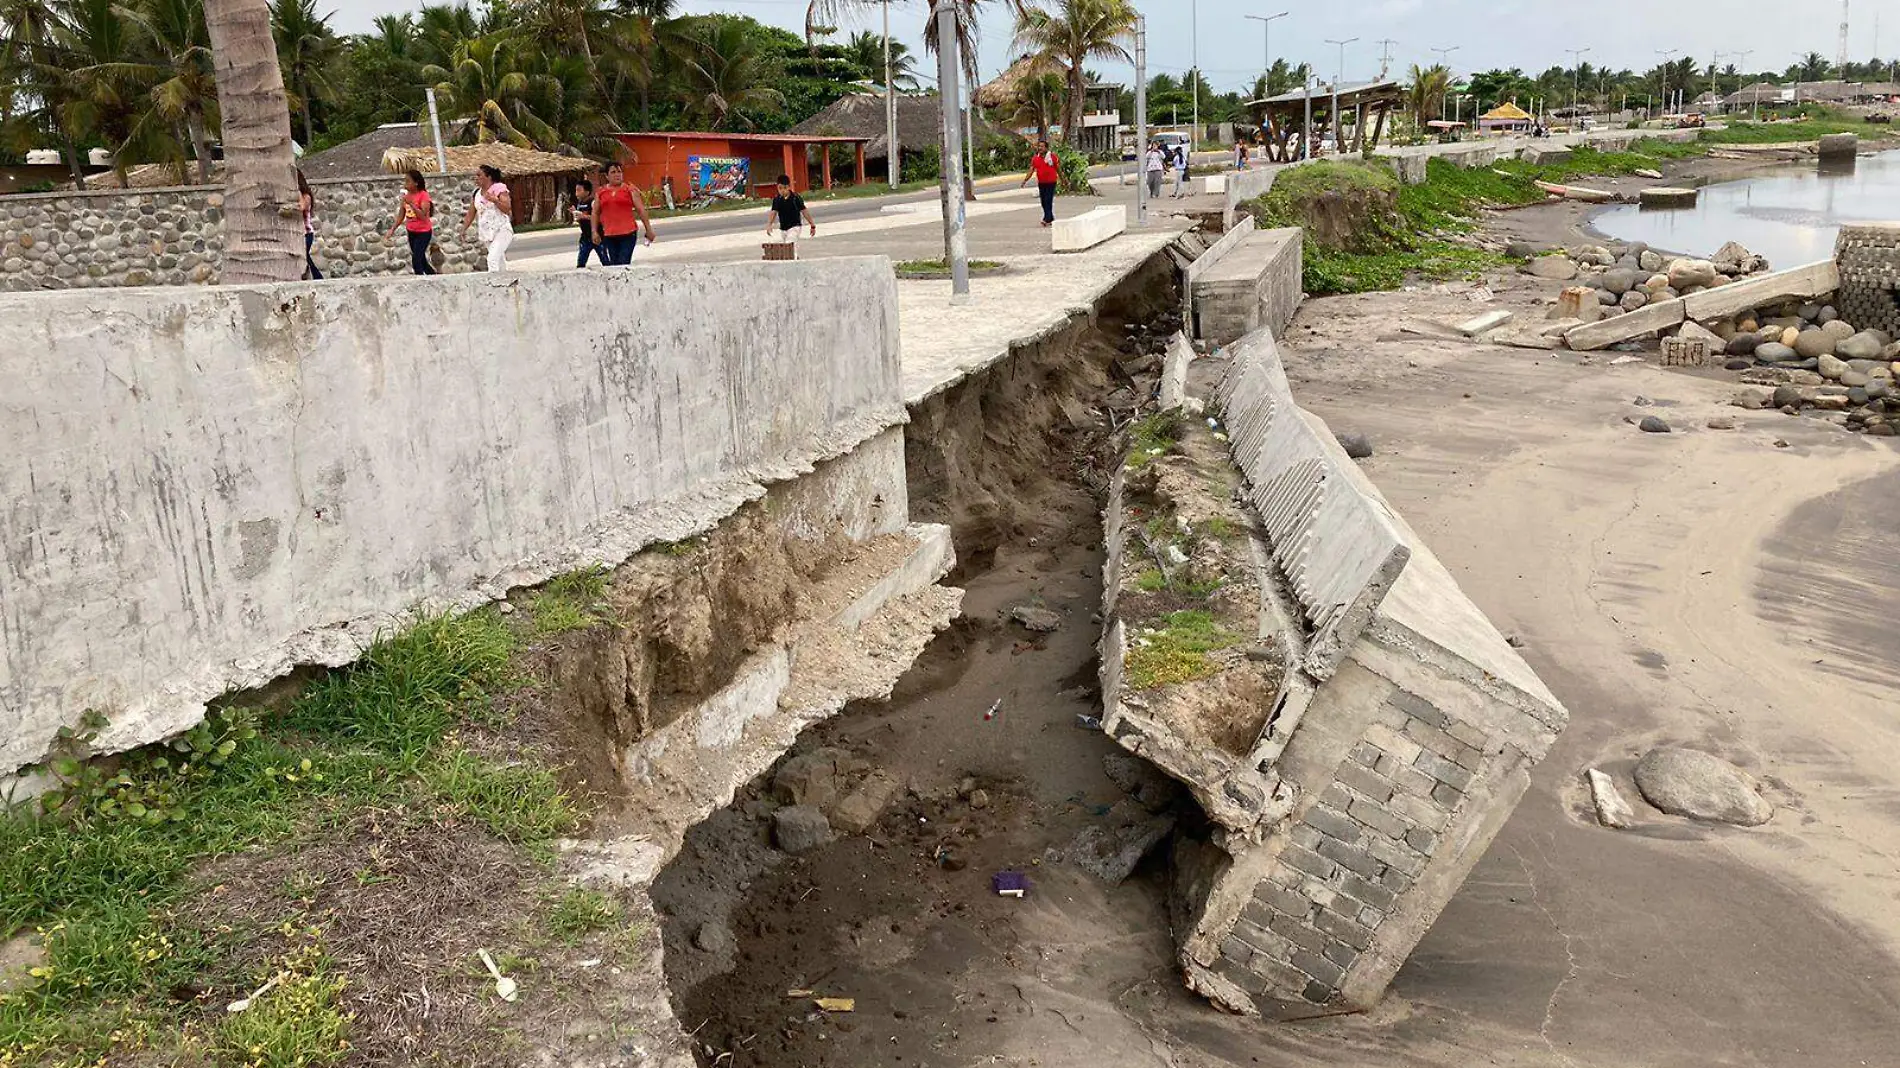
1038, 102
1427, 95
33, 64
307, 50
722, 74
174, 74
1814, 67
1074, 32
865, 51
262, 232
485, 83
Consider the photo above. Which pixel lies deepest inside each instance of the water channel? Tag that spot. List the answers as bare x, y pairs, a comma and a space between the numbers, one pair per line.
1790, 216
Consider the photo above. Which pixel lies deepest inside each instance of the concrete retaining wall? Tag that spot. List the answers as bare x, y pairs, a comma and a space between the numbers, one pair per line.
1256, 284
210, 486
175, 236
1243, 186
1396, 749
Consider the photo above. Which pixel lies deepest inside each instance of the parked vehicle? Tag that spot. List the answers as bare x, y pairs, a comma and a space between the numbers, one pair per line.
1880, 118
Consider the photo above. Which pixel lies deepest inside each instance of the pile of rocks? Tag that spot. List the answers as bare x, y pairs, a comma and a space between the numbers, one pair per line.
1626, 278
1815, 359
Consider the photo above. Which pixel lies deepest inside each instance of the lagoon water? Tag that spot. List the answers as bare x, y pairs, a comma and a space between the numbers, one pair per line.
1789, 216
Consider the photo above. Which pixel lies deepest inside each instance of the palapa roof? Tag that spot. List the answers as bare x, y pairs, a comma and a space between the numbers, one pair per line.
1506, 112
1001, 92
362, 157
919, 122
511, 159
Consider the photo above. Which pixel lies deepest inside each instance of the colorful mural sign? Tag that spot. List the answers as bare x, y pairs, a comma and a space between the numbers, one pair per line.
721, 177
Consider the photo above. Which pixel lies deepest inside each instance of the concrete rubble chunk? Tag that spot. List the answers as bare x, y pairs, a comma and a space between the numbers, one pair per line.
1722, 302
1612, 810
800, 829
1649, 319
1490, 320
1111, 850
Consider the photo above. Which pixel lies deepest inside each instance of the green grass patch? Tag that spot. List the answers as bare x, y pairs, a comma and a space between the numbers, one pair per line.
1176, 651
1153, 437
939, 266
97, 868
574, 601
1151, 581
578, 913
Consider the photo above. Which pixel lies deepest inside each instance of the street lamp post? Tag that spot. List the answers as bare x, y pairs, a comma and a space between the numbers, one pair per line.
1576, 77
1339, 75
892, 156
1444, 60
1266, 26
1194, 30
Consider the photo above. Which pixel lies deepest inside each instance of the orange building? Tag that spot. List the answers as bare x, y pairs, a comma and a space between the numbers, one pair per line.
732, 164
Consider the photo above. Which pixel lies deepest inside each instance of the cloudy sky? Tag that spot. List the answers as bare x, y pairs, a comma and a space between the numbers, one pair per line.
1532, 34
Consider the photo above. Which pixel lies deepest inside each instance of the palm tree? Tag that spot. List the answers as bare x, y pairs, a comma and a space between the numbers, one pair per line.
1038, 102
262, 238
307, 51
1075, 32
722, 74
174, 75
865, 51
1429, 87
1814, 67
485, 83
33, 65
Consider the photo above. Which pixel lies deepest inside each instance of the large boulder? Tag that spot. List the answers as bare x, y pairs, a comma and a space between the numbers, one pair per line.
1685, 273
1686, 782
1865, 345
1618, 280
1775, 352
1813, 343
800, 828
1555, 268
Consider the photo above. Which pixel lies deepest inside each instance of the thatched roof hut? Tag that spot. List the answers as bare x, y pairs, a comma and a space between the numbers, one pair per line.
919, 123
1001, 92
537, 181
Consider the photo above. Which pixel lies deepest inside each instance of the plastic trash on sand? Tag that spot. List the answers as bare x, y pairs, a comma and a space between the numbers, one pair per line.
1010, 883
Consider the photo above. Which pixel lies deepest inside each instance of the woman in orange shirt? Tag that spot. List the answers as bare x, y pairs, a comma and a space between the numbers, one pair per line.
415, 212
620, 213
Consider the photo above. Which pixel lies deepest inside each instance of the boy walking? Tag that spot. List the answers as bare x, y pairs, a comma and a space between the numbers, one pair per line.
788, 210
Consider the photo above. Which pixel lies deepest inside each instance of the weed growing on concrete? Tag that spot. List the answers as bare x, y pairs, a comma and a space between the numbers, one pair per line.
579, 912
1152, 438
574, 601
1176, 651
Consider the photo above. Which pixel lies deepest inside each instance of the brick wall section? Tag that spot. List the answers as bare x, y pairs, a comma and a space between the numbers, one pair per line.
1357, 848
175, 236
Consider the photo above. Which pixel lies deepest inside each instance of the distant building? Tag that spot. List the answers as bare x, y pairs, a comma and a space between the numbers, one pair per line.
1505, 118
860, 117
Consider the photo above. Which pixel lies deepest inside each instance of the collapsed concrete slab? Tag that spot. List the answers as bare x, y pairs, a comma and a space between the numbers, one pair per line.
1397, 741
1721, 302
1256, 283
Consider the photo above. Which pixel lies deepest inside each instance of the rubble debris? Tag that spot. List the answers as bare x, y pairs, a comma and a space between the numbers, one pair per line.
836, 1004
1357, 446
1036, 618
1111, 850
1691, 783
1490, 320
1612, 810
1149, 786
1653, 424
800, 829
1010, 884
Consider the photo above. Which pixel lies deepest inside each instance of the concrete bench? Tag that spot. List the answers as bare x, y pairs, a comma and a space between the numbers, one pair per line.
1257, 284
1089, 229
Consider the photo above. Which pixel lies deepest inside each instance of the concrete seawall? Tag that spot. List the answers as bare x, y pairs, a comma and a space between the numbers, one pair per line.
218, 485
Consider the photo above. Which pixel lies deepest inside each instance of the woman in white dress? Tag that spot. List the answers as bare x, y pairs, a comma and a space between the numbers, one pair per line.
492, 213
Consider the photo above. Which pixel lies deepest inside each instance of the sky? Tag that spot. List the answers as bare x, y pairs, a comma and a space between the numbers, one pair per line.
1531, 34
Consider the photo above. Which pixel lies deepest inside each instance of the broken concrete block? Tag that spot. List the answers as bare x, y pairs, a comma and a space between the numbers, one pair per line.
1643, 321
1112, 850
800, 828
1612, 810
1579, 303
860, 810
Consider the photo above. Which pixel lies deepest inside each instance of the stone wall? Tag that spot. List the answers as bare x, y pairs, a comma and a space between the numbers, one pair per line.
210, 486
175, 236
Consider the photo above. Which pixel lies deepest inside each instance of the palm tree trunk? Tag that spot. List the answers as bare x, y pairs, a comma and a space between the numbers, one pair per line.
262, 223
1072, 114
71, 152
200, 146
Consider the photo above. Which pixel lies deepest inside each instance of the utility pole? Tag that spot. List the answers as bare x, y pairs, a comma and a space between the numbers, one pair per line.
435, 126
1576, 79
955, 213
1194, 29
1669, 59
1385, 58
1141, 120
1743, 56
1339, 75
1306, 135
1266, 25
1843, 40
893, 159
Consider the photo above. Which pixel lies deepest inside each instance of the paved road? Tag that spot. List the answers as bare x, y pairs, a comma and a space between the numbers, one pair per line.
718, 223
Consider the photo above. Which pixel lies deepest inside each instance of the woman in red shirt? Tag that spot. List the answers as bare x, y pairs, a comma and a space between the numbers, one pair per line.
620, 213
416, 214
1046, 168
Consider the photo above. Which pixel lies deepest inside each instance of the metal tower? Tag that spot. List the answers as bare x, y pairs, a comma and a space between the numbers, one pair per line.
1843, 59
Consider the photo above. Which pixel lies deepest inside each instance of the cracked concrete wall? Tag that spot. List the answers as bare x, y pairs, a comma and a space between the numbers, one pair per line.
211, 486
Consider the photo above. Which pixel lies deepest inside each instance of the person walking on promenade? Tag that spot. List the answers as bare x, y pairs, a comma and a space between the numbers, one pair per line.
492, 213
1155, 166
1180, 169
620, 213
415, 212
584, 218
788, 210
1240, 154
1046, 168
307, 200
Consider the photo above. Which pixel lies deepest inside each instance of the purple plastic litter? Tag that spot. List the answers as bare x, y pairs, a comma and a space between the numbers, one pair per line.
1010, 882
